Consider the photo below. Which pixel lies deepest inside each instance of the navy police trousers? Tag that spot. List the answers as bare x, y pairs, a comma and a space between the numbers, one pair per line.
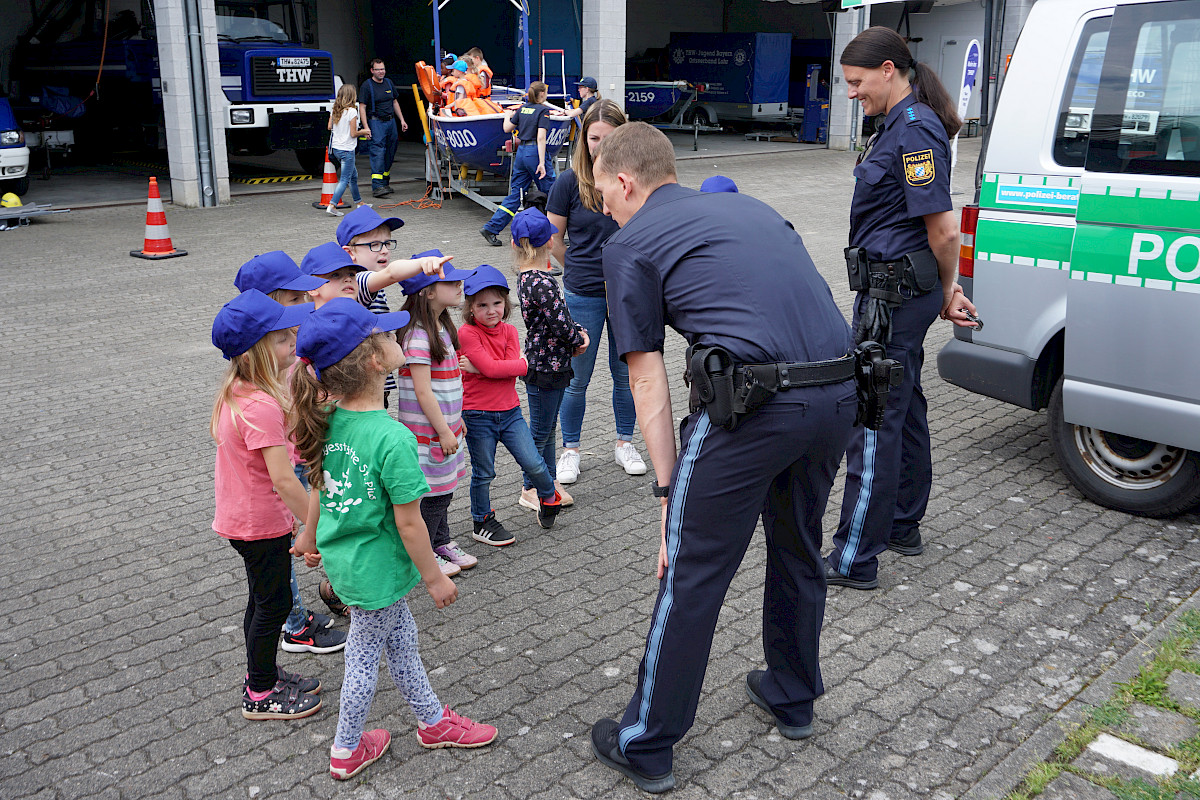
889, 471
780, 464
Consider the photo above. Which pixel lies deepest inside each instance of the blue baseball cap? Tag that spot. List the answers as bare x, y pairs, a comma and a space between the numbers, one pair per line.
460, 65
450, 57
484, 277
274, 270
718, 183
419, 281
532, 224
325, 259
250, 316
331, 333
363, 219
588, 82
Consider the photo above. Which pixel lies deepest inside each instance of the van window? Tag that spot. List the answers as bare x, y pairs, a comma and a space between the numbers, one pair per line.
1079, 98
1148, 108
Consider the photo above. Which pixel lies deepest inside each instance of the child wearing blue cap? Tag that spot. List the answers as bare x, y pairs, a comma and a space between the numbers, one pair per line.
366, 526
276, 275
429, 399
551, 338
491, 362
258, 497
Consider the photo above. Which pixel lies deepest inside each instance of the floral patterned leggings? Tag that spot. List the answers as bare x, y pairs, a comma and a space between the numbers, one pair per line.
392, 632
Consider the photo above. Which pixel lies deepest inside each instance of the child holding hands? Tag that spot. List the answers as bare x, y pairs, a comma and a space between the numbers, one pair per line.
491, 362
257, 494
365, 524
551, 337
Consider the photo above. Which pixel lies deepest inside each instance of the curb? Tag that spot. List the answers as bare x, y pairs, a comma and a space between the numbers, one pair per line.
1009, 773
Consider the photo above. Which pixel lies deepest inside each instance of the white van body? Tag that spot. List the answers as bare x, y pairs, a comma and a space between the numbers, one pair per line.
1086, 260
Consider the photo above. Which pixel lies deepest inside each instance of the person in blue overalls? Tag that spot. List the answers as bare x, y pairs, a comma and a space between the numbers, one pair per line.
902, 258
729, 274
532, 125
378, 108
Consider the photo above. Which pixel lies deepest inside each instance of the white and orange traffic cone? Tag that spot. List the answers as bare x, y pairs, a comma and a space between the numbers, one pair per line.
328, 181
158, 238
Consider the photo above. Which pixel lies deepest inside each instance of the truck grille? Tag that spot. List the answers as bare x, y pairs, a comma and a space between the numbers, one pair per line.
274, 76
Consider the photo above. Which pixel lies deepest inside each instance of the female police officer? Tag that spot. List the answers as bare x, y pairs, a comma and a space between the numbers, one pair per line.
902, 258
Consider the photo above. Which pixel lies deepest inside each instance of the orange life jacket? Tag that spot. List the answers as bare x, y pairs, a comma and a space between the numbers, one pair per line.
485, 80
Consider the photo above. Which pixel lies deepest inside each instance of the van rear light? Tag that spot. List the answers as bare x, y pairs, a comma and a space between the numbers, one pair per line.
966, 245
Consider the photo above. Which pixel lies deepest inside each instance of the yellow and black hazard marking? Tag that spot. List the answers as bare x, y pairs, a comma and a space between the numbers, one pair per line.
271, 179
918, 167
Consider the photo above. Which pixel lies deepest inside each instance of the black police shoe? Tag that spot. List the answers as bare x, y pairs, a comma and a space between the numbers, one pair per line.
907, 545
604, 745
490, 238
753, 682
379, 193
835, 578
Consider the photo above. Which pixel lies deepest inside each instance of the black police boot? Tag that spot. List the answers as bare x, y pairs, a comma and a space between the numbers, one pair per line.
381, 192
907, 545
490, 238
604, 745
753, 682
835, 578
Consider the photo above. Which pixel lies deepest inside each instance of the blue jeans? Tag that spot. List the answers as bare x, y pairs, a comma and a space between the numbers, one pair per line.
347, 176
299, 614
543, 419
525, 164
592, 314
382, 149
484, 430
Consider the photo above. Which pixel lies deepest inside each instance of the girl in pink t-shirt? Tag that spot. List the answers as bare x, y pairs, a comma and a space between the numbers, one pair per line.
258, 497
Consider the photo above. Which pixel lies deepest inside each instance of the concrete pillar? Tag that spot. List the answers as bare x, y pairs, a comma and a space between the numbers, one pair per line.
845, 115
180, 121
1015, 14
604, 46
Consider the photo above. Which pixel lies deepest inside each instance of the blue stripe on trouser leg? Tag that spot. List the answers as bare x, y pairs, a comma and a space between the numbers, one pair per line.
854, 537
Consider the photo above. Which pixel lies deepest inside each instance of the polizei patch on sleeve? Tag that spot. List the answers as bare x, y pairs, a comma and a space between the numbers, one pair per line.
918, 167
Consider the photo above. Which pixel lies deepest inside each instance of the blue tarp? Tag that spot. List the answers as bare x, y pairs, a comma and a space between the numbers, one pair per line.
734, 67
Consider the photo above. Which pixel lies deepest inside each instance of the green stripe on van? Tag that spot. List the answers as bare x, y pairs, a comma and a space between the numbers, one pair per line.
1024, 240
1106, 209
1128, 257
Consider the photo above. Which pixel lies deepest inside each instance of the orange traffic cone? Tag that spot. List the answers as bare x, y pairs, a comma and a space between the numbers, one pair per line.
158, 238
328, 182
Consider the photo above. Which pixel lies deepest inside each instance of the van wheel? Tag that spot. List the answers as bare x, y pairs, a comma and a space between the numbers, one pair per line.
1122, 472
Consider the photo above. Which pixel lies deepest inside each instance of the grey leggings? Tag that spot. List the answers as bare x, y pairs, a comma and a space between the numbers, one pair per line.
392, 632
435, 511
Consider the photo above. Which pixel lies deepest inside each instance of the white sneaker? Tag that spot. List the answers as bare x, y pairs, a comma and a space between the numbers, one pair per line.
627, 456
448, 568
567, 469
329, 209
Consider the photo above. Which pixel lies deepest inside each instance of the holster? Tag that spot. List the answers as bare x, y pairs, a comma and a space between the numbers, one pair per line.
856, 267
875, 376
921, 272
711, 372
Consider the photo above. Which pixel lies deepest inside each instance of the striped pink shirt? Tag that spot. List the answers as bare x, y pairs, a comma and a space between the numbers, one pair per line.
443, 473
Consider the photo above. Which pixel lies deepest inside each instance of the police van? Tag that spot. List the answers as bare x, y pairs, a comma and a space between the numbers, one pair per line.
1082, 250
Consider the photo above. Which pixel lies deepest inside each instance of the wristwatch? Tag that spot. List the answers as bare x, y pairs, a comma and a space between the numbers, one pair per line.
660, 491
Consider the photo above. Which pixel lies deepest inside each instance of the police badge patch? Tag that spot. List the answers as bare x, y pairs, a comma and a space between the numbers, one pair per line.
918, 167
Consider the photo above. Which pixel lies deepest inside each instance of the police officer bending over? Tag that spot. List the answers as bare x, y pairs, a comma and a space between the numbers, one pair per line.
902, 259
773, 405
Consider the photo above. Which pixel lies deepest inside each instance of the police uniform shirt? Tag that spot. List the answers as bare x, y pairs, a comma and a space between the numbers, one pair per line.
904, 176
585, 105
721, 269
383, 93
529, 118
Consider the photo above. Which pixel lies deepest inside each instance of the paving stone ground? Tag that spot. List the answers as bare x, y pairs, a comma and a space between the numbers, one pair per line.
120, 627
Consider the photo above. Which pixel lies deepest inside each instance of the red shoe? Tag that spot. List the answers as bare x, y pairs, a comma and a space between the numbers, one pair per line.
371, 748
455, 731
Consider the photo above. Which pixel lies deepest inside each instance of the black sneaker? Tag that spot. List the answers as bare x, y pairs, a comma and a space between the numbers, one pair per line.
907, 545
753, 682
605, 746
555, 271
548, 510
320, 620
490, 531
285, 701
490, 238
311, 639
307, 685
835, 578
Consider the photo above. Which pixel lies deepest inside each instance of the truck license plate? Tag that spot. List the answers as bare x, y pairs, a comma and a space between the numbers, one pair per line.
294, 62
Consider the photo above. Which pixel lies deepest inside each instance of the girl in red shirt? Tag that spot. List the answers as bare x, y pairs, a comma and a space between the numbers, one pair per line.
491, 361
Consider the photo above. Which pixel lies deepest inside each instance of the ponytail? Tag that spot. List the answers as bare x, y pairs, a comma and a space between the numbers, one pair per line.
877, 44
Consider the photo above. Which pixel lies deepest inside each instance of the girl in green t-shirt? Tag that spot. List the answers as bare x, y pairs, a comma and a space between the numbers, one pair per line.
364, 522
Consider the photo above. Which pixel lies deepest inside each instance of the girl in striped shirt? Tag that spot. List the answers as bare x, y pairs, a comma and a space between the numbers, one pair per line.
429, 401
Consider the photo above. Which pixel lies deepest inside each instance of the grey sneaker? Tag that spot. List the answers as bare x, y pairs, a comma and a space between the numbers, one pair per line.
490, 531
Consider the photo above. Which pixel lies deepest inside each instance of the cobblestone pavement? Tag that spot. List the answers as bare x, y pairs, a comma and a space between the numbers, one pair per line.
122, 650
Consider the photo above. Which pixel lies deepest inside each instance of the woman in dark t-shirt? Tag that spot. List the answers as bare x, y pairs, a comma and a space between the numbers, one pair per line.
576, 208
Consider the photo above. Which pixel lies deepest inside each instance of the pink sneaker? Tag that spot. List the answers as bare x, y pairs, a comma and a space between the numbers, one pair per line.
455, 731
457, 556
371, 748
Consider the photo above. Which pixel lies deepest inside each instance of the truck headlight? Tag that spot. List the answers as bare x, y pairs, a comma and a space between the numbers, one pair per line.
1077, 120
241, 116
12, 137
